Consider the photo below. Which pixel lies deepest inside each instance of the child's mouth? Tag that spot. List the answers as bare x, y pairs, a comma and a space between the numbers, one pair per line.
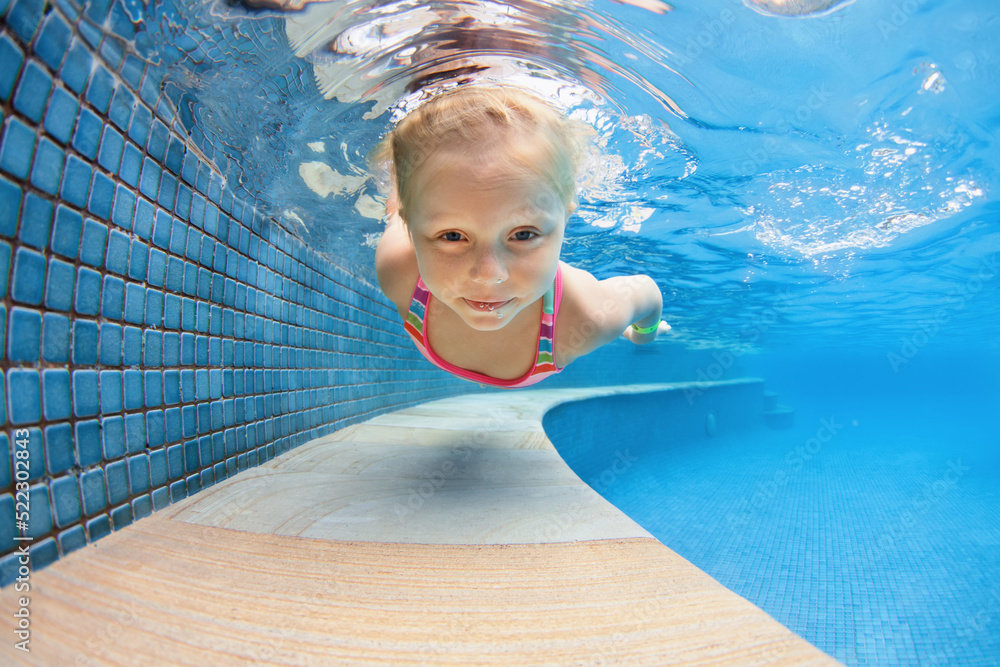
487, 305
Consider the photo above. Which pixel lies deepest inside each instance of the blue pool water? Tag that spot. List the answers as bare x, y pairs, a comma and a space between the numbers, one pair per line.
187, 230
869, 526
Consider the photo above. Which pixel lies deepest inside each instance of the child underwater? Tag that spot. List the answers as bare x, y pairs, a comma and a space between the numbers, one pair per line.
484, 182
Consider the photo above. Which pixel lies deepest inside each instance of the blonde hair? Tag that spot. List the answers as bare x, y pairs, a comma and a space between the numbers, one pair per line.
502, 125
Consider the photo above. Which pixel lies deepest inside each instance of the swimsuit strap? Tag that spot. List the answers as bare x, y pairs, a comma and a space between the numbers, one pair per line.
415, 325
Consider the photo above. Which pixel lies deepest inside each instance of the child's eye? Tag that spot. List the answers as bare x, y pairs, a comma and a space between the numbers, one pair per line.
452, 236
524, 235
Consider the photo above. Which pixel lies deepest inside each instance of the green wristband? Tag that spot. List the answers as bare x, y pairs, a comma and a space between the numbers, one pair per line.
646, 330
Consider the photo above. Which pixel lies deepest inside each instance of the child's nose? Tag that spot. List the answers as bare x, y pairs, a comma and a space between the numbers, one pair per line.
489, 268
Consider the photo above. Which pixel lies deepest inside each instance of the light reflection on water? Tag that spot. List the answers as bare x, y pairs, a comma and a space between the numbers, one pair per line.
819, 148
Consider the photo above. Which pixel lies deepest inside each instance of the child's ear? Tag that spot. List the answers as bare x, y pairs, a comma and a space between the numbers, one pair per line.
392, 203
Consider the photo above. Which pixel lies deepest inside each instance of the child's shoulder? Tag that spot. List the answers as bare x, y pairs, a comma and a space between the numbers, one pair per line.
396, 265
579, 329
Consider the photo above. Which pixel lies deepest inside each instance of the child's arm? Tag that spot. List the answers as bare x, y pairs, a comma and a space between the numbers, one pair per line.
643, 338
643, 294
396, 261
601, 310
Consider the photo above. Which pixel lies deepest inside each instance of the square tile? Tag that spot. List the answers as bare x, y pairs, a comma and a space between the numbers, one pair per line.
131, 164
102, 193
61, 115
122, 106
112, 146
33, 91
124, 207
132, 70
88, 442
88, 292
87, 137
58, 399
17, 148
111, 392
135, 433
53, 41
25, 328
113, 298
100, 89
116, 256
93, 491
72, 539
36, 221
76, 182
141, 507
11, 54
121, 517
66, 506
138, 129
132, 357
158, 468
28, 279
46, 170
138, 469
55, 338
154, 307
98, 527
85, 401
157, 145
76, 67
175, 156
149, 180
24, 396
135, 303
10, 207
66, 232
116, 477
59, 285
154, 428
152, 389
40, 522
94, 243
24, 17
110, 344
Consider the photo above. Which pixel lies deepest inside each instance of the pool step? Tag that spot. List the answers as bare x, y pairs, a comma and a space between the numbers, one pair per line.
777, 416
782, 417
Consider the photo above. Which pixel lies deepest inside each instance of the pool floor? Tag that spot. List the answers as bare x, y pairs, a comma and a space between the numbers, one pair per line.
450, 533
873, 534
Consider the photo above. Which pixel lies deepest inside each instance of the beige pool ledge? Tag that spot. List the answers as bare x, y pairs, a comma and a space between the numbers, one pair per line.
450, 533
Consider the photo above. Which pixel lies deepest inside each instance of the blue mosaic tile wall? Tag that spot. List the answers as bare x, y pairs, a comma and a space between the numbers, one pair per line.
157, 333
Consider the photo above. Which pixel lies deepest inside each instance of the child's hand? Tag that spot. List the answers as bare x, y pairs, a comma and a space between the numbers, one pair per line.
642, 339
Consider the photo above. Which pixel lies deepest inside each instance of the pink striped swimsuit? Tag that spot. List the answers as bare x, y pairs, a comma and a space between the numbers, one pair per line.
545, 365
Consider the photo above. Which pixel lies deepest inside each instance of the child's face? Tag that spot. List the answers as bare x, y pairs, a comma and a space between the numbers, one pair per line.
487, 241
